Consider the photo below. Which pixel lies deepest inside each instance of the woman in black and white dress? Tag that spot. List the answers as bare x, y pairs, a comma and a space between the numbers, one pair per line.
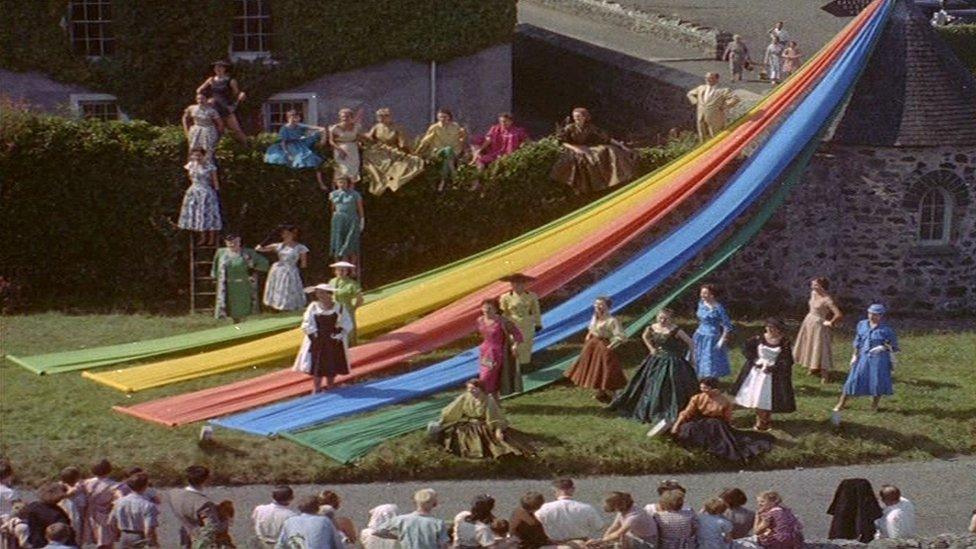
766, 380
327, 325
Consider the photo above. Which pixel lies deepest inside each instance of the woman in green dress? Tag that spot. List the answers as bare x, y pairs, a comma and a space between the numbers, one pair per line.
348, 292
665, 381
474, 426
348, 221
234, 269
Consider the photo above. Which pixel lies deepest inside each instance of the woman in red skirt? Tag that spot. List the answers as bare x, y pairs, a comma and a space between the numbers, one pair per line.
597, 366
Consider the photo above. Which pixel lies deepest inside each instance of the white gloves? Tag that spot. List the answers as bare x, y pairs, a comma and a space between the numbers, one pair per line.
878, 349
362, 224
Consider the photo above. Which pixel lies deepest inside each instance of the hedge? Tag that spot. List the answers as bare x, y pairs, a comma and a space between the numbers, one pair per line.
164, 48
87, 210
962, 39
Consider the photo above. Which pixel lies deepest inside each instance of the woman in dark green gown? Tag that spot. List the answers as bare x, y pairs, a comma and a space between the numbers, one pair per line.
665, 381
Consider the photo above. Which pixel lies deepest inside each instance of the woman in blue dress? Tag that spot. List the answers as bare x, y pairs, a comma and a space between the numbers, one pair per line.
294, 146
714, 327
348, 221
874, 346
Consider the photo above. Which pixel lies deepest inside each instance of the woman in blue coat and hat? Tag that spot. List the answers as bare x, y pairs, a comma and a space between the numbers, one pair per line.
874, 346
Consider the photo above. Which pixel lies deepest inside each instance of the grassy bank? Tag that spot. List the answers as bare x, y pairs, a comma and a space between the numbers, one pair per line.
48, 422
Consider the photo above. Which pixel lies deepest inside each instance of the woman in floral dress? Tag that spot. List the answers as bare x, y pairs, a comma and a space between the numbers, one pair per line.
200, 212
284, 290
202, 126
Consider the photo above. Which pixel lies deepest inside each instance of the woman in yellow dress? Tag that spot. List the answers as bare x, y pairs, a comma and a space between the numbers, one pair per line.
521, 306
387, 157
444, 140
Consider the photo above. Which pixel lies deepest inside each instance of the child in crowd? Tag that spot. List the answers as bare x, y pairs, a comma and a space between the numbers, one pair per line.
14, 531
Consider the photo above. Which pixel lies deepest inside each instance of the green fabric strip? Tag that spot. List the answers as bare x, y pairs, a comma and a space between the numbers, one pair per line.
348, 439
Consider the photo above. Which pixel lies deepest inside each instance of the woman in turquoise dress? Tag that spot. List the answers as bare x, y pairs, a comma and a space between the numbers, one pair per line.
234, 269
711, 338
665, 381
294, 146
875, 344
348, 221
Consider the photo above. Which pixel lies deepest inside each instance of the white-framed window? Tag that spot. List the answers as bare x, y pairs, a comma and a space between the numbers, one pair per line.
935, 217
90, 27
101, 106
251, 33
276, 107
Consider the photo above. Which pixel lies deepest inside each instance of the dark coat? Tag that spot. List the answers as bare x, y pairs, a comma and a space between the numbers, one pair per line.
784, 399
855, 509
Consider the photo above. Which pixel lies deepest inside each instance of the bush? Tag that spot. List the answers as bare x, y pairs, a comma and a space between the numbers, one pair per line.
88, 210
164, 49
962, 40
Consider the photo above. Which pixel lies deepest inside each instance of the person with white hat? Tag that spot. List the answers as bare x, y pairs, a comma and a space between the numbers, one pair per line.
324, 351
348, 292
874, 346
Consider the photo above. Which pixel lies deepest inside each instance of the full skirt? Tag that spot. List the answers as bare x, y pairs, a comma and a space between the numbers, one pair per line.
390, 168
756, 390
660, 389
721, 440
812, 347
474, 439
201, 209
328, 357
870, 376
710, 360
283, 290
595, 169
296, 154
344, 236
597, 367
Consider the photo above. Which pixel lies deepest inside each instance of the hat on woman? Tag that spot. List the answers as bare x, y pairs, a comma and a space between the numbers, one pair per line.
342, 265
877, 309
221, 63
323, 287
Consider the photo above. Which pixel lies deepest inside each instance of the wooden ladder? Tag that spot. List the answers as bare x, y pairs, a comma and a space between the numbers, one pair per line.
203, 288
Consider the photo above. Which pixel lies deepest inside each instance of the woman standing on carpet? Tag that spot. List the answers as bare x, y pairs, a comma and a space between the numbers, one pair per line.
812, 348
202, 126
344, 139
234, 269
474, 426
323, 352
284, 291
706, 423
348, 221
712, 335
766, 380
200, 211
665, 381
598, 366
498, 369
874, 346
348, 292
521, 306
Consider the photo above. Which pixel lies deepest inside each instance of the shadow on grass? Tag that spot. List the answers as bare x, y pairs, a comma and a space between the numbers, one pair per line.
880, 435
930, 384
940, 413
217, 448
557, 410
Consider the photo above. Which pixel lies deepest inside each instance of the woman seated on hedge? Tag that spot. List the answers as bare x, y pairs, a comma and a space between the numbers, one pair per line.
474, 426
591, 161
706, 422
387, 157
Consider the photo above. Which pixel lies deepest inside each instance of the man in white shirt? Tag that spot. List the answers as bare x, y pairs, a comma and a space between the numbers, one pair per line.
898, 516
269, 518
567, 519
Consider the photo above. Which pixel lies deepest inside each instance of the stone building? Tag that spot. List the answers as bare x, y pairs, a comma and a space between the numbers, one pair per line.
886, 208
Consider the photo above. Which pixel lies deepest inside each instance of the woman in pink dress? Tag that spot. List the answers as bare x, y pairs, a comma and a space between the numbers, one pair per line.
503, 138
497, 367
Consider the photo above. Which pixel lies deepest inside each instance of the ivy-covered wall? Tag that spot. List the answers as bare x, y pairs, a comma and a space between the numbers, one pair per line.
164, 47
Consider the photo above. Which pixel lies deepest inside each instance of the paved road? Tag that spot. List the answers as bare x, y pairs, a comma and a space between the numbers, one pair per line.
944, 493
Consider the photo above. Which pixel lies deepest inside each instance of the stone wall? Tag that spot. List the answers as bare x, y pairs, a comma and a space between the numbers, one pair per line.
852, 220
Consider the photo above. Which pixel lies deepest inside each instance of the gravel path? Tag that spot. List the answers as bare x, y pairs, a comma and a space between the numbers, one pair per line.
944, 493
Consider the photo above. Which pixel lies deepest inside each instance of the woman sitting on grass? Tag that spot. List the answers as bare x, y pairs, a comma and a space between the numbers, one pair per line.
474, 426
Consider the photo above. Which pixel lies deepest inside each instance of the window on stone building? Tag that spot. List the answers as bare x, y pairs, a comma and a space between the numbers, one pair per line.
935, 217
251, 34
276, 107
100, 106
89, 27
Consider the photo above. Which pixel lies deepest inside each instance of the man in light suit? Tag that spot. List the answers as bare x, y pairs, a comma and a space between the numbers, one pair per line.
192, 508
713, 104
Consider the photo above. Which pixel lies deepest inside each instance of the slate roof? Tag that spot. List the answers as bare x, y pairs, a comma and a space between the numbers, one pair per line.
914, 91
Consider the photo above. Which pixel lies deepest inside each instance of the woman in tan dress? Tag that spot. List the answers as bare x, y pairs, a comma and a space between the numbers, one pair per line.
387, 157
598, 366
812, 348
521, 306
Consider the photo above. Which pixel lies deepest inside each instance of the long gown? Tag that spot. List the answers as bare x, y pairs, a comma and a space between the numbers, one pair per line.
346, 291
284, 290
203, 133
237, 293
601, 164
812, 348
344, 235
598, 366
871, 373
294, 148
201, 204
347, 141
467, 428
711, 361
706, 424
387, 161
662, 385
321, 354
523, 310
497, 368
766, 379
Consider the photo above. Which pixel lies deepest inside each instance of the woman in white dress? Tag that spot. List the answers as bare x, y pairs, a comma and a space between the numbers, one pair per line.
344, 139
202, 126
283, 290
766, 381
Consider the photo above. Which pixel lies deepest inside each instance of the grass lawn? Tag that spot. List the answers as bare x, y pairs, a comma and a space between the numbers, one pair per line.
49, 422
